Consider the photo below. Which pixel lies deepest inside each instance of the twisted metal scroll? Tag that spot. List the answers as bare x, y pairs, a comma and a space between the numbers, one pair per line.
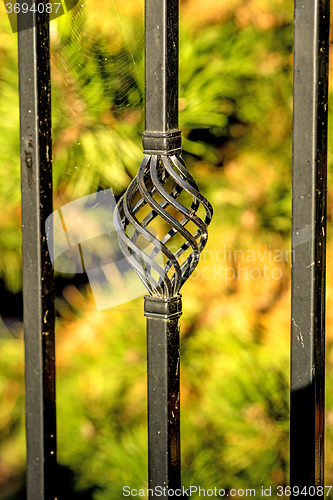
149, 184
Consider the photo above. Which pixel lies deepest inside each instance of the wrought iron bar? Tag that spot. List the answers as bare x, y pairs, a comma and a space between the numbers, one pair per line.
311, 44
38, 279
163, 391
161, 77
162, 191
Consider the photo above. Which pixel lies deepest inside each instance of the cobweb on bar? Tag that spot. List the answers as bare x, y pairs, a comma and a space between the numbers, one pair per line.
97, 77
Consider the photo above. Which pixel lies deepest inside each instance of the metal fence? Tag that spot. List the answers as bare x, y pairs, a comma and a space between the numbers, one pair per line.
163, 306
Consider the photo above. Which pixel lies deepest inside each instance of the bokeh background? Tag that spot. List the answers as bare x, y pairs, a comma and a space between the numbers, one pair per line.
236, 119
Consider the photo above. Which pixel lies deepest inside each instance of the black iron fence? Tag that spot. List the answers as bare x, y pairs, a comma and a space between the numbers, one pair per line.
162, 162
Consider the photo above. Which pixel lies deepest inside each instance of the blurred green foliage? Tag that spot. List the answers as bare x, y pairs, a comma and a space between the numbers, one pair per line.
235, 114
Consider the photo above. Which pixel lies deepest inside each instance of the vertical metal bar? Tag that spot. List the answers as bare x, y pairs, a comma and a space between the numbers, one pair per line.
161, 73
162, 135
38, 279
163, 392
162, 148
311, 43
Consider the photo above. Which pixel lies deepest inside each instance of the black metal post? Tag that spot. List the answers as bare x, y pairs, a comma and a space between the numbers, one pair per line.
38, 279
162, 271
163, 392
161, 77
162, 136
311, 43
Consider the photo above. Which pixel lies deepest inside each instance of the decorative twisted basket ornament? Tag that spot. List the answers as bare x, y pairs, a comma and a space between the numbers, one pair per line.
154, 172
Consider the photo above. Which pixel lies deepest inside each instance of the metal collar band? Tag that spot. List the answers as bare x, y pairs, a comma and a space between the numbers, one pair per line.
162, 143
163, 308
